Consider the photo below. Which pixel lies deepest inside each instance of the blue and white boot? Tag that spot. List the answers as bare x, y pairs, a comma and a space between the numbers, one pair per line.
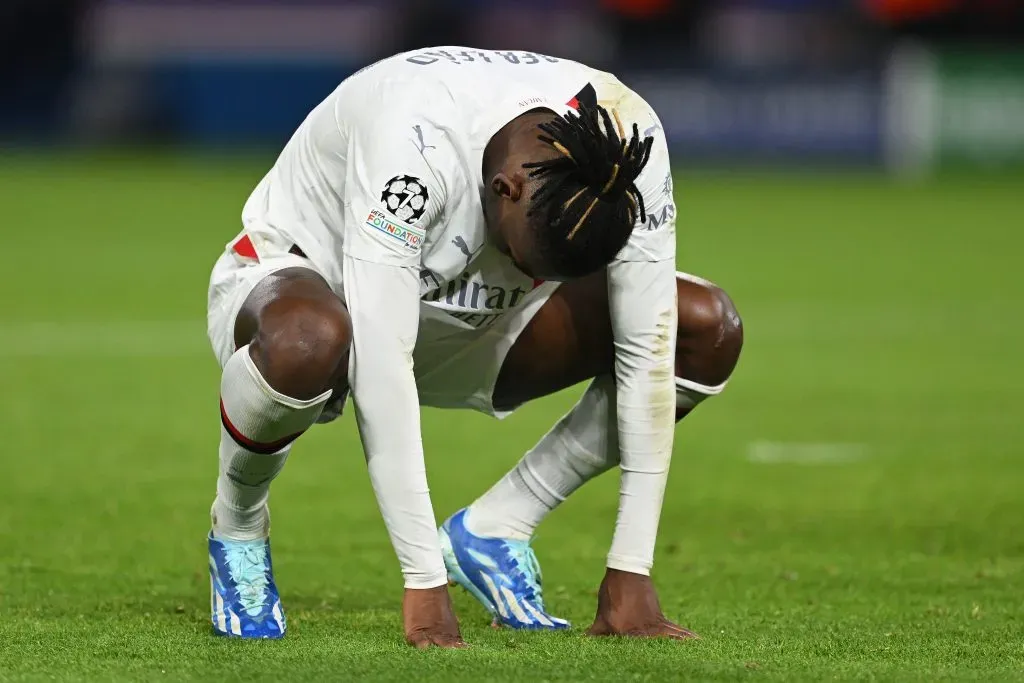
503, 574
244, 602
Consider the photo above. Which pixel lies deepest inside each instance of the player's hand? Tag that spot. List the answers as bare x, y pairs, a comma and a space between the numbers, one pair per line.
429, 618
627, 605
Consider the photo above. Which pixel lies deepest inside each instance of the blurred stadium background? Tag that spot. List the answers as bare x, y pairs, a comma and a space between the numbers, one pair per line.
849, 170
900, 84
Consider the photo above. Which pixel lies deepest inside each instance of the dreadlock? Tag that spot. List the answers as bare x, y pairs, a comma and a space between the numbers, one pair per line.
585, 209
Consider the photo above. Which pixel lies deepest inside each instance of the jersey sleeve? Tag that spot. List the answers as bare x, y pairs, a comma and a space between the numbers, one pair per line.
644, 312
393, 195
395, 188
654, 238
383, 301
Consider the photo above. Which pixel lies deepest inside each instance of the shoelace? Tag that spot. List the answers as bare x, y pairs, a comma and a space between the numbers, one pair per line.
247, 564
527, 563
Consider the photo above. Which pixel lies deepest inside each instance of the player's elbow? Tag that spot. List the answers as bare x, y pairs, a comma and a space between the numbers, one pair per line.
710, 335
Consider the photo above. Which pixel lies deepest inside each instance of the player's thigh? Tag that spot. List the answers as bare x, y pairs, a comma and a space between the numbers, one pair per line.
570, 340
567, 341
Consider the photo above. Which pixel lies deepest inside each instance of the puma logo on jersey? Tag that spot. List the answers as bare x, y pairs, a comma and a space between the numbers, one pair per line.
420, 144
460, 242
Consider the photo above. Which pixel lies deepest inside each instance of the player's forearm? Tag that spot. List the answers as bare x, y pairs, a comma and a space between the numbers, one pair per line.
646, 410
404, 501
384, 309
645, 398
394, 457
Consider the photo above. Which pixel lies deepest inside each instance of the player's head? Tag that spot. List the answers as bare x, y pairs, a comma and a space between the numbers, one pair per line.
561, 204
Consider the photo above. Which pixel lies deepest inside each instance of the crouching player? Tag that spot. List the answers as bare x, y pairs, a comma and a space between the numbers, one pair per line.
463, 229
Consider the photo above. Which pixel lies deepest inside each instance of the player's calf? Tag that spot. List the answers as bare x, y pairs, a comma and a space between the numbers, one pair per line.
293, 337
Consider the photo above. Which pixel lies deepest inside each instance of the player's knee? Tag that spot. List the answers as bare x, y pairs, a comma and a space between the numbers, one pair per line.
710, 334
301, 345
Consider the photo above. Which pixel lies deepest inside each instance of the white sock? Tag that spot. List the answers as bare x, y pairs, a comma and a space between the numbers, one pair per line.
258, 426
582, 445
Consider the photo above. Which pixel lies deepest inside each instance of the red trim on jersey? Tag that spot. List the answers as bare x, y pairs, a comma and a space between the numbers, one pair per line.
244, 248
247, 443
537, 283
574, 103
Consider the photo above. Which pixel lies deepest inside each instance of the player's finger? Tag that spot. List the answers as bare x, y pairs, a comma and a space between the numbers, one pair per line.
678, 632
677, 635
419, 642
448, 641
674, 631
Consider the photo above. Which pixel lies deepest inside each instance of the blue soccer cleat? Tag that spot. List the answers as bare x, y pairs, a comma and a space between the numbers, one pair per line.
243, 597
502, 574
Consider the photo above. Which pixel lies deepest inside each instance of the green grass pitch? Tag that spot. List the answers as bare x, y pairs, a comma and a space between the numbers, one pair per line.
851, 508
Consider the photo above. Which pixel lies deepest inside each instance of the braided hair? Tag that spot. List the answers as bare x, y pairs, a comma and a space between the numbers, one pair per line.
585, 209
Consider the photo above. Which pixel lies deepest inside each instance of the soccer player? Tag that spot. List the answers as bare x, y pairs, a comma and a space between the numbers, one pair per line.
463, 228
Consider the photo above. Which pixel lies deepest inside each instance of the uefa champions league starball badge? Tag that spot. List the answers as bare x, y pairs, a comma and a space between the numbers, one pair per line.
405, 197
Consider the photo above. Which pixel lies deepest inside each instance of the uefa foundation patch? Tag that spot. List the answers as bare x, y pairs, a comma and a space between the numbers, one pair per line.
394, 229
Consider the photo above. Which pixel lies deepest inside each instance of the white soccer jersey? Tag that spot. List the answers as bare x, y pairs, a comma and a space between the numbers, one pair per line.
381, 187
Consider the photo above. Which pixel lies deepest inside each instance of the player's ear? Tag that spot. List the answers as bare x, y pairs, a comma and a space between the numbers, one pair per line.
505, 186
